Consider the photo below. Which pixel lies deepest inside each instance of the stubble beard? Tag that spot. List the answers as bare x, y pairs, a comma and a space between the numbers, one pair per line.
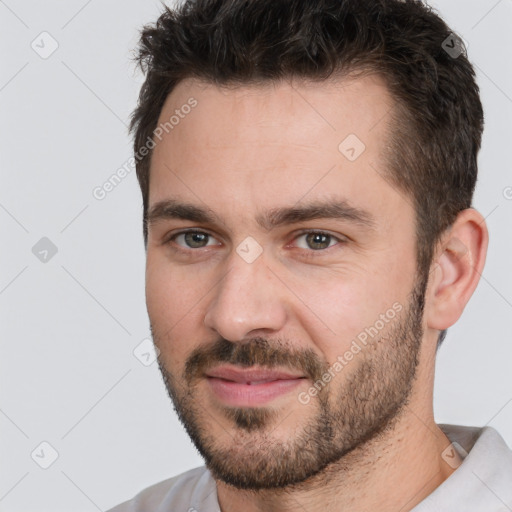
358, 405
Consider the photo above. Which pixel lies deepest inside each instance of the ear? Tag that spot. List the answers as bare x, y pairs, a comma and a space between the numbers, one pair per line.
456, 269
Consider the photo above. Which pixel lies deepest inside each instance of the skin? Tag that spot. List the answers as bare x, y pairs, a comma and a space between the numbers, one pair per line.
242, 151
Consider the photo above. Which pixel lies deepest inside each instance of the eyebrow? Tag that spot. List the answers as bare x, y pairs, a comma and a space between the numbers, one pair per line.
330, 209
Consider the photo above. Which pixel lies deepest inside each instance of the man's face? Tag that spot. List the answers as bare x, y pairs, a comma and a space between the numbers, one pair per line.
288, 333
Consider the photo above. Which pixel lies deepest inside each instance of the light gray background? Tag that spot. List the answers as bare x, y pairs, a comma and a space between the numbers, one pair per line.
69, 326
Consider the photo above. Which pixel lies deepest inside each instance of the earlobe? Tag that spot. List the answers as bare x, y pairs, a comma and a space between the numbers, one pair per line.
457, 269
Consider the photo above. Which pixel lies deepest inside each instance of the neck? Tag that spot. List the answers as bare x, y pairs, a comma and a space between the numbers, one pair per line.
394, 471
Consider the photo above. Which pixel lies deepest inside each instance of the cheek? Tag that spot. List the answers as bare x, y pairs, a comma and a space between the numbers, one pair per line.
172, 291
340, 312
338, 309
174, 302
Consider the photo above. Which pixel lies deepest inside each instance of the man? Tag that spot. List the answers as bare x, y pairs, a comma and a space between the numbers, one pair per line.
307, 171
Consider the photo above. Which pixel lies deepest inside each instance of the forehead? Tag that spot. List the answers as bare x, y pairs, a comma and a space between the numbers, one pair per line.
258, 146
308, 110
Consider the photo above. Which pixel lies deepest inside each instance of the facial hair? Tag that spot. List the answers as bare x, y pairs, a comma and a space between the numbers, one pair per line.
355, 407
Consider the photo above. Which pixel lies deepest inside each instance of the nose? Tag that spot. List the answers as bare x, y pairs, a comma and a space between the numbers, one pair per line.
247, 302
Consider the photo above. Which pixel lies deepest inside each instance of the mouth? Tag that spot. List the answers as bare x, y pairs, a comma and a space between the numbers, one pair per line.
251, 386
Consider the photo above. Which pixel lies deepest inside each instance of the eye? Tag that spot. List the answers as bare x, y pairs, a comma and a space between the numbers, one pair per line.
192, 239
317, 240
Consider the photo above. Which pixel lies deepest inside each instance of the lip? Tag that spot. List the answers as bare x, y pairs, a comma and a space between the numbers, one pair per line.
243, 376
251, 386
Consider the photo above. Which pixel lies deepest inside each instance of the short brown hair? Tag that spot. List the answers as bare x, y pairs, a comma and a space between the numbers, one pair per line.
438, 120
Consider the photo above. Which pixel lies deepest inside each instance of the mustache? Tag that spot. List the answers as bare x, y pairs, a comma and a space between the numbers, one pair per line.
256, 351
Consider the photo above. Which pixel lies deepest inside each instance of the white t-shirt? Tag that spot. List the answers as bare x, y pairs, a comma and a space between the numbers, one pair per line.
482, 483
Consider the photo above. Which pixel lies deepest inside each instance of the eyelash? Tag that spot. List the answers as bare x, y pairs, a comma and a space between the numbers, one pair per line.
310, 252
